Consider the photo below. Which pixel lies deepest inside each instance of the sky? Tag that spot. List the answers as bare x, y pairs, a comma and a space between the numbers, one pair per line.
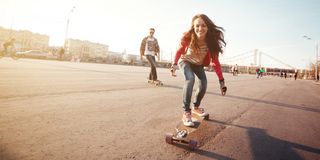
271, 27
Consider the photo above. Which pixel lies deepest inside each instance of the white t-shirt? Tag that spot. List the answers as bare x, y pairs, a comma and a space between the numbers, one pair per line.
150, 47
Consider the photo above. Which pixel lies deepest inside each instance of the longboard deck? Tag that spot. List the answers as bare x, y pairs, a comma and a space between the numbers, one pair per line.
183, 133
156, 83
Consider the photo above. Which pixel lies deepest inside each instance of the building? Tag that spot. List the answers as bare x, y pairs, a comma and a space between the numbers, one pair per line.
25, 40
114, 57
85, 50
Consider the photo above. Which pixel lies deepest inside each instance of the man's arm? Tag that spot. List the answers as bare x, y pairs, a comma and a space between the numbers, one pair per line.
157, 48
143, 47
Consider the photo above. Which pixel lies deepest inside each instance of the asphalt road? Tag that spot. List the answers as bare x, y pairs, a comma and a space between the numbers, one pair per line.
64, 110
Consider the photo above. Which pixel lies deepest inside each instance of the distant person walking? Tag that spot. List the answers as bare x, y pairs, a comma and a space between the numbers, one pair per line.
285, 75
258, 72
9, 49
261, 71
150, 48
199, 45
235, 70
8, 46
295, 75
61, 53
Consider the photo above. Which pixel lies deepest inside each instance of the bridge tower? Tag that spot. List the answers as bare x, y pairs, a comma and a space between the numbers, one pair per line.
255, 53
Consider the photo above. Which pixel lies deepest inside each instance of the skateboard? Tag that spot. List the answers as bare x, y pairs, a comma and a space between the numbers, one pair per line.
183, 133
156, 82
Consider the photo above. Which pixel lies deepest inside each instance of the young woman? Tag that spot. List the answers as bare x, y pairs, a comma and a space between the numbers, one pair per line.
199, 46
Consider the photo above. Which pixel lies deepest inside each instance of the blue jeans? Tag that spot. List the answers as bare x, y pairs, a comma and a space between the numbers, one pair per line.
153, 72
189, 70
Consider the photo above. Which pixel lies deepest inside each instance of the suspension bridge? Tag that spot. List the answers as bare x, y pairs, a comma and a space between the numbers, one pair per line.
254, 57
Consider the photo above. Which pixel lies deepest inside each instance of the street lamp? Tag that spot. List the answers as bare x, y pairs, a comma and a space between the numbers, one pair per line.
66, 43
316, 67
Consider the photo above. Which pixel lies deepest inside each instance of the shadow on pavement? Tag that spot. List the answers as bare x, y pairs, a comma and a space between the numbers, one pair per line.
264, 146
202, 152
212, 155
5, 155
292, 106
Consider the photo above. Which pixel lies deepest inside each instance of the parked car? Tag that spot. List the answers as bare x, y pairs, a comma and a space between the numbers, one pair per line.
32, 54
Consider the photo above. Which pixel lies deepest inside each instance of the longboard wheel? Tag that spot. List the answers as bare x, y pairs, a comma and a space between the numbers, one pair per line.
169, 138
206, 117
193, 144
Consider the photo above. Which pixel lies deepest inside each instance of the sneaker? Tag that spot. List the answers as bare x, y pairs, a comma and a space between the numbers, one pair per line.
199, 111
186, 119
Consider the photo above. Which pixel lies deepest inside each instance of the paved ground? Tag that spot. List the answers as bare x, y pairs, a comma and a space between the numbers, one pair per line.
64, 110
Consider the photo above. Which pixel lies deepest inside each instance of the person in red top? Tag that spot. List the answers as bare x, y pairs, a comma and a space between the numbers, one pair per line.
199, 46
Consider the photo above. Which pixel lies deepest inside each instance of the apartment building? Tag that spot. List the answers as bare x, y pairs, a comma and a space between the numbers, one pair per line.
85, 49
24, 40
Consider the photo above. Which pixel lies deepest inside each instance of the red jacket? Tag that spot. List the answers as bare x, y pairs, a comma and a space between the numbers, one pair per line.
215, 61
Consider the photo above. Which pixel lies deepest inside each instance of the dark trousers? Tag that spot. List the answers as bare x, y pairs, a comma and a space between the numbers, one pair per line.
153, 72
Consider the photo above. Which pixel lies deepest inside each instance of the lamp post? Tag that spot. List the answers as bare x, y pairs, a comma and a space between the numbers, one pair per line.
316, 64
66, 43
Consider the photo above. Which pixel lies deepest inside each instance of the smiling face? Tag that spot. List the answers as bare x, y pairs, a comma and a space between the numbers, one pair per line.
200, 28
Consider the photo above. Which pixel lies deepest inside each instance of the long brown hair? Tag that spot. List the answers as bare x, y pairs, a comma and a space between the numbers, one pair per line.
214, 37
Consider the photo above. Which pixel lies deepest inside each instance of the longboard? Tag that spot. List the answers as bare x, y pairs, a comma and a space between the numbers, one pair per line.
156, 83
183, 133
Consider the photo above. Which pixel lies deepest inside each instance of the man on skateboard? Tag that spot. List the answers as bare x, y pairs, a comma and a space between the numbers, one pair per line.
150, 48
